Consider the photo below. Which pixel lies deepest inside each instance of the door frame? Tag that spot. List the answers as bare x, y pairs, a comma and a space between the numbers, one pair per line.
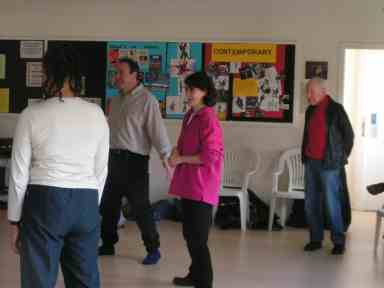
342, 47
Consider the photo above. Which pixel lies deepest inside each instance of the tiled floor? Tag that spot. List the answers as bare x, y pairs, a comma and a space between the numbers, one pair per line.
254, 259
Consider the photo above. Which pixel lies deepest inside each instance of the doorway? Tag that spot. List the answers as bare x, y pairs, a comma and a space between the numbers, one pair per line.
363, 99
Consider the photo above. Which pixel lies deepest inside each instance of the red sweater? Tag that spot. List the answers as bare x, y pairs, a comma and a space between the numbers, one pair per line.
317, 129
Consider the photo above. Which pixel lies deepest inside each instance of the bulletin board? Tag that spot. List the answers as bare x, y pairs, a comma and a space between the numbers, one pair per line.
20, 73
254, 81
93, 59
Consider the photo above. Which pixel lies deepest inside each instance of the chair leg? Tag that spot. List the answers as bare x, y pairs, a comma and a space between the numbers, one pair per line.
271, 212
283, 212
247, 211
378, 230
243, 213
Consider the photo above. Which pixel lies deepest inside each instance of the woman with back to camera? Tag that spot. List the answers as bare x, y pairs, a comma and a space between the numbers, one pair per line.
58, 170
198, 160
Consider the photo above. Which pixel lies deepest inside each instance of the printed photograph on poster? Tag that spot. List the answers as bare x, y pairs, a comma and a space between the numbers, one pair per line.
155, 62
182, 68
157, 80
251, 103
127, 53
173, 104
142, 56
238, 105
222, 110
113, 56
34, 77
4, 100
132, 54
221, 83
251, 107
176, 107
317, 69
31, 49
123, 53
184, 50
217, 69
270, 104
258, 70
3, 66
245, 72
234, 68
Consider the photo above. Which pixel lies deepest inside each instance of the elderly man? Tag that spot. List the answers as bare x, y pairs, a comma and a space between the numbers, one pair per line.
327, 144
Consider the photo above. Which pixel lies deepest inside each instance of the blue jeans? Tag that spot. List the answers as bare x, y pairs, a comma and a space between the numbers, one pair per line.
323, 184
59, 226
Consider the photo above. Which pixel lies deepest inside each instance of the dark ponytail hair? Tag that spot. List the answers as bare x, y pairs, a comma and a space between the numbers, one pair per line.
61, 64
203, 82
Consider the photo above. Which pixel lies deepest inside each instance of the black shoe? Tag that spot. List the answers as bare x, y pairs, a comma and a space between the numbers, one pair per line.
313, 246
339, 249
105, 250
183, 282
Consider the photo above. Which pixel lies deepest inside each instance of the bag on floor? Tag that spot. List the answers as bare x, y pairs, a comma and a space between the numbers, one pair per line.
228, 214
259, 214
376, 189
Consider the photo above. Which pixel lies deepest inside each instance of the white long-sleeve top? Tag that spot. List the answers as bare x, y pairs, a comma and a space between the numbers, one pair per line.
60, 143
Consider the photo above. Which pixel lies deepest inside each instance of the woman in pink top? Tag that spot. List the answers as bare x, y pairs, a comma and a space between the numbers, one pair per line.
198, 160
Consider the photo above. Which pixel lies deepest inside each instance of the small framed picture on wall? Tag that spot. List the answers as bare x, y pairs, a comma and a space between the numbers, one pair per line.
315, 69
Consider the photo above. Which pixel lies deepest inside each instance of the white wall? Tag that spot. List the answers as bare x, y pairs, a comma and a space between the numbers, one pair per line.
317, 27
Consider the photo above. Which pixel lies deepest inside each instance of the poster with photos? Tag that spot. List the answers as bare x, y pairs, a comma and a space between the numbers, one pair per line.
220, 75
254, 81
151, 57
183, 59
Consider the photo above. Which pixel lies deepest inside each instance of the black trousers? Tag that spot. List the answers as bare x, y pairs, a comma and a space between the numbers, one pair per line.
128, 176
196, 226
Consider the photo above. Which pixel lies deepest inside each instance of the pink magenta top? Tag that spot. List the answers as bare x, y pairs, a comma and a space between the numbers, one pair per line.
201, 135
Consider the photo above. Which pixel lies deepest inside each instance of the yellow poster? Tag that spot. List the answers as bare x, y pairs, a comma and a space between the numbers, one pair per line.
2, 66
244, 52
4, 100
245, 88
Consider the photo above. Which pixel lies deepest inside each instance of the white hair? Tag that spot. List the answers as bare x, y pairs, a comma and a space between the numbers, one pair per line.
322, 83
